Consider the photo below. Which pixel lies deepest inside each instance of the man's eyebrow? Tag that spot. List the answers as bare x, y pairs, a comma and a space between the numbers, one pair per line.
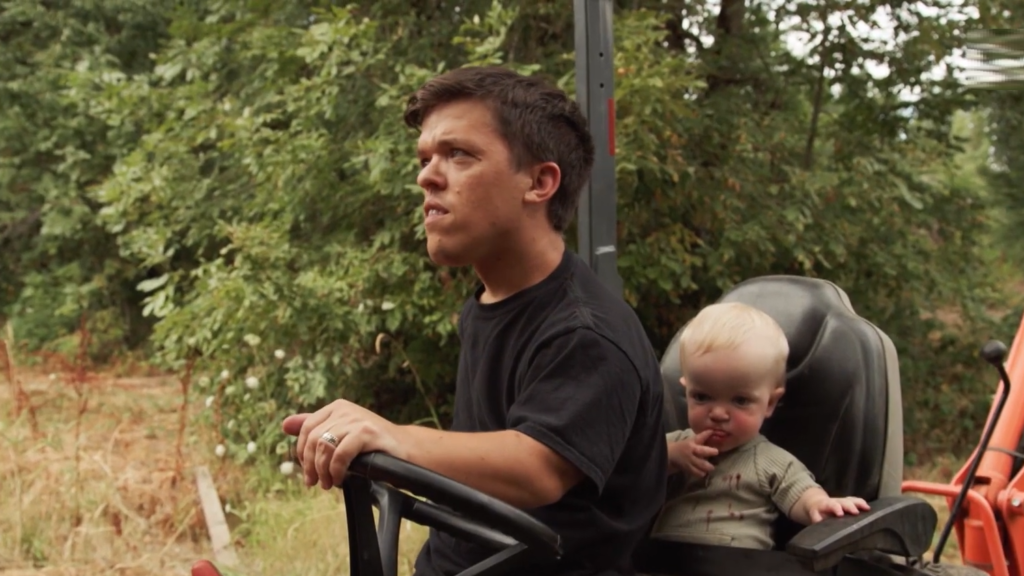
447, 142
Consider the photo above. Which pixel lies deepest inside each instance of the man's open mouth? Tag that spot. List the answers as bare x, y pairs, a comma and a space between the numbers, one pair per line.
432, 211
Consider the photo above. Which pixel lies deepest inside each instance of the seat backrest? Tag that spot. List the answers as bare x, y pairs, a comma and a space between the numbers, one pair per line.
842, 413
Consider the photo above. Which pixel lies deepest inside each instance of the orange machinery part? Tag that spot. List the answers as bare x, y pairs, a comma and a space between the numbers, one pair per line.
977, 533
204, 568
993, 500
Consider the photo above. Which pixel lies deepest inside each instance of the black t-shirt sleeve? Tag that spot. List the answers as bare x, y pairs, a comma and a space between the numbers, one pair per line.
579, 397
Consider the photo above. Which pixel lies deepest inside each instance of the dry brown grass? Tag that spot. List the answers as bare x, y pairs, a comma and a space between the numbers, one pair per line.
108, 499
128, 507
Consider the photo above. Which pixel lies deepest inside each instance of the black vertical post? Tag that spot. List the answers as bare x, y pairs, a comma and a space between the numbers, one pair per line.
595, 92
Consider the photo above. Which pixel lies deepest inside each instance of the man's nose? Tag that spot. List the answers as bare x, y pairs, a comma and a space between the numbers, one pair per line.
430, 177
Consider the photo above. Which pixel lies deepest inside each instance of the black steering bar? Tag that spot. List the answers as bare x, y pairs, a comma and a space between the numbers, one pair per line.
376, 478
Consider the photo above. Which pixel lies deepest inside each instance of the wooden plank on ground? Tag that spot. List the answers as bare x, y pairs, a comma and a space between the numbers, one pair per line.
9, 339
216, 523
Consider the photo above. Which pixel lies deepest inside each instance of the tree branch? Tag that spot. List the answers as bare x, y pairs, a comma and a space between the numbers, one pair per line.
824, 54
728, 25
816, 113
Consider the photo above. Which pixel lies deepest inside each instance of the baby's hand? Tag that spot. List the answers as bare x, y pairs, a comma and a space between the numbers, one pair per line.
819, 508
691, 455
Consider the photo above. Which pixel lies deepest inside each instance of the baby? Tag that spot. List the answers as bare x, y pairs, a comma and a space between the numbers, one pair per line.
734, 481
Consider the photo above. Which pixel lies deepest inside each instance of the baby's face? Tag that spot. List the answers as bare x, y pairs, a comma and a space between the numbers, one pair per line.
729, 393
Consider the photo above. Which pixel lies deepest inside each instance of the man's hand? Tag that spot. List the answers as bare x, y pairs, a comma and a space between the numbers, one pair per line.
691, 455
815, 505
358, 430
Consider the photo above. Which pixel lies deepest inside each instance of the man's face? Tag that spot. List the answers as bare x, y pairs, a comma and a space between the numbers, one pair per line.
473, 198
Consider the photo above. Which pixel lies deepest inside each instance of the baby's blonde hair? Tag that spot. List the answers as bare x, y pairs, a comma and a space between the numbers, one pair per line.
726, 326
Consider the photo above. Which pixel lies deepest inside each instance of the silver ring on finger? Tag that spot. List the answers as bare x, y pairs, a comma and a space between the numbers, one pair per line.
330, 439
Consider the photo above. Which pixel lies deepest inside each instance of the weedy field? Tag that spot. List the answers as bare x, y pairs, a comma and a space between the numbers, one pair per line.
94, 483
92, 479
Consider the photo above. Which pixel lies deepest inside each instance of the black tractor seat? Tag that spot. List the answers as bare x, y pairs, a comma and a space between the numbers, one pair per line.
842, 416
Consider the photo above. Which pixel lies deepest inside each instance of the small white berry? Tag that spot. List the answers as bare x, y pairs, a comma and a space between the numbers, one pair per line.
204, 382
224, 374
250, 447
220, 450
287, 468
227, 508
279, 354
209, 401
385, 306
252, 382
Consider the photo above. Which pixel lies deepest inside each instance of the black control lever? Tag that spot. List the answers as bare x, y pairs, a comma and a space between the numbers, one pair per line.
994, 352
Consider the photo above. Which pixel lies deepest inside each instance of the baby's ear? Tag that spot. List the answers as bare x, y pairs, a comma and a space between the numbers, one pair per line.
682, 381
773, 399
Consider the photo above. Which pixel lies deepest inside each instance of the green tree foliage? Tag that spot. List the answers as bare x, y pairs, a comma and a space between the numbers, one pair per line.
1006, 171
999, 78
254, 182
57, 263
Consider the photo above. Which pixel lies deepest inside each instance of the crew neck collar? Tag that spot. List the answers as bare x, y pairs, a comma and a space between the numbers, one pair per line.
515, 300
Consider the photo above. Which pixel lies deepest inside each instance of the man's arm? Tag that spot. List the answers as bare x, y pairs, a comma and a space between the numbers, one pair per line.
507, 465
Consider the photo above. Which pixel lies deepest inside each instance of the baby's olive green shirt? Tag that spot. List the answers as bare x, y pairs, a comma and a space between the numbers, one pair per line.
737, 502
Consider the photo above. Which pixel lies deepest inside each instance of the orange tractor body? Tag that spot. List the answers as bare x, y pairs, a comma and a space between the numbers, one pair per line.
990, 526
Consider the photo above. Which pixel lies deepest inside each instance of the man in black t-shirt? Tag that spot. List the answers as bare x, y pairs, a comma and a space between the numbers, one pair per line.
558, 406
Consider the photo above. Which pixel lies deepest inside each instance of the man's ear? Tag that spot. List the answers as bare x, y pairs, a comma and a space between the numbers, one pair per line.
773, 400
545, 177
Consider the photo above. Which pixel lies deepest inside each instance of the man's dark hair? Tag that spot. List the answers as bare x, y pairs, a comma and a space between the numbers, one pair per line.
539, 122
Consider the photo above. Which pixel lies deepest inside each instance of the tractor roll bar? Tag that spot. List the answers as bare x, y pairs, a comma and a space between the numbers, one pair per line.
597, 221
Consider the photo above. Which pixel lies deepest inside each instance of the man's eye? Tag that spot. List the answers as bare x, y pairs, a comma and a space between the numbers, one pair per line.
457, 151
